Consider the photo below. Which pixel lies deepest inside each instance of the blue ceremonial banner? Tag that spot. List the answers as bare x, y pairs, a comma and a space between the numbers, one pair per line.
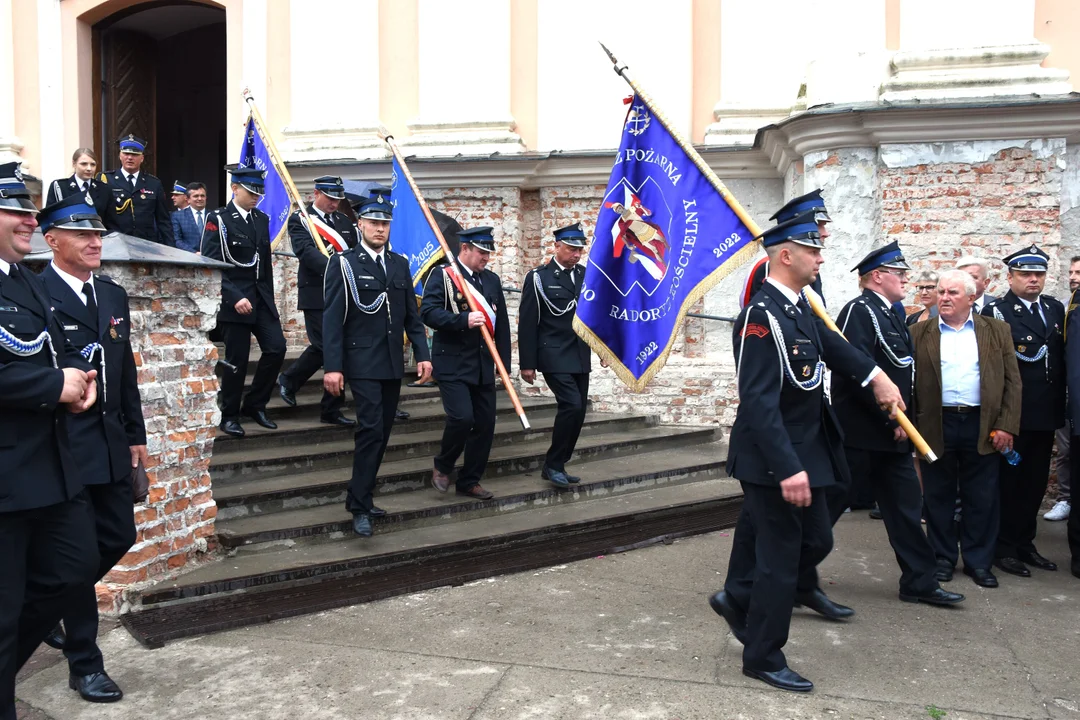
664, 237
410, 232
276, 202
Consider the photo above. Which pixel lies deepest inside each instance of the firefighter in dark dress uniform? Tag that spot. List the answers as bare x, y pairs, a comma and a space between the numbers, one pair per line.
239, 234
462, 363
329, 192
370, 308
785, 450
876, 447
547, 342
139, 206
47, 531
1038, 323
110, 439
810, 202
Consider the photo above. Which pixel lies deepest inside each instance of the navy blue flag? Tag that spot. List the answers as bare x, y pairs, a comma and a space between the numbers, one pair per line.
664, 237
410, 232
276, 202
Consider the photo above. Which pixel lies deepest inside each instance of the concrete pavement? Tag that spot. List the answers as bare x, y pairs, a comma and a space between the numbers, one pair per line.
627, 636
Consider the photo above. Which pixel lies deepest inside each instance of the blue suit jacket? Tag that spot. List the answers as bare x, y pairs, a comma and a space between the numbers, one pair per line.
186, 231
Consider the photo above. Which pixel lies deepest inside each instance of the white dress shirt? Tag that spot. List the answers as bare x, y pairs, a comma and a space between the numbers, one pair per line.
5, 266
243, 213
76, 284
1037, 304
375, 254
134, 176
959, 365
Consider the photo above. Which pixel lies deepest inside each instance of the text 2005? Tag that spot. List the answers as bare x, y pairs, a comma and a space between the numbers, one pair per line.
644, 354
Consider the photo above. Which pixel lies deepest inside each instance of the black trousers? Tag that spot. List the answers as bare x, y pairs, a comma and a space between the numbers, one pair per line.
1074, 518
895, 486
572, 395
114, 521
376, 403
46, 556
961, 468
1022, 488
470, 427
237, 336
309, 363
783, 541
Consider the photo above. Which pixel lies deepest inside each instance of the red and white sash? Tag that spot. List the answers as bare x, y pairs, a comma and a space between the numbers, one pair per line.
329, 234
481, 302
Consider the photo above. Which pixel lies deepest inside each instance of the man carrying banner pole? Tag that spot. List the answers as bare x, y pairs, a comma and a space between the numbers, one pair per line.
463, 365
338, 235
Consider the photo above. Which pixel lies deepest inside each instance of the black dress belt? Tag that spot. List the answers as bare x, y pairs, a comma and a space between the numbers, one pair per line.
960, 408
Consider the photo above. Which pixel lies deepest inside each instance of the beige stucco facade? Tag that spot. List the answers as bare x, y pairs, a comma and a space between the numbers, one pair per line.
477, 77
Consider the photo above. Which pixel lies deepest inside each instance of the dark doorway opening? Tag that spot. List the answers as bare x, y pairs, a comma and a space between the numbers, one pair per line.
160, 67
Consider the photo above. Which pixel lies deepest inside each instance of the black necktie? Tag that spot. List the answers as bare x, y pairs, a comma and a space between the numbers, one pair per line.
131, 181
91, 303
382, 268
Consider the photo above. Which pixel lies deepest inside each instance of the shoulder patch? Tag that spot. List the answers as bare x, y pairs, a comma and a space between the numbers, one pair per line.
757, 330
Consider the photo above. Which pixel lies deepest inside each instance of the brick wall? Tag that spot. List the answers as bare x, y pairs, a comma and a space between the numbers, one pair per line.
172, 310
979, 200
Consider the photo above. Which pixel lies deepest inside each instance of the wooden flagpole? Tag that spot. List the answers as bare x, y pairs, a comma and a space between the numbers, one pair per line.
456, 278
815, 302
279, 165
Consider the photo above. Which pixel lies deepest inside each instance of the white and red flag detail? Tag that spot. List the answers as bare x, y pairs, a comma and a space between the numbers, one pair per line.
482, 305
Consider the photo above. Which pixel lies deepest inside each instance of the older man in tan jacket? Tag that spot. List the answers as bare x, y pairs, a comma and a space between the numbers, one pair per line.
967, 400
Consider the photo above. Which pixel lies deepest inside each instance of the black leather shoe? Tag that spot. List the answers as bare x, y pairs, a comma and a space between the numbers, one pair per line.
56, 638
232, 427
944, 572
935, 597
1036, 560
574, 479
287, 396
784, 679
361, 525
1012, 566
555, 477
875, 513
376, 512
337, 419
1075, 570
260, 418
982, 577
476, 492
96, 687
401, 415
735, 618
820, 603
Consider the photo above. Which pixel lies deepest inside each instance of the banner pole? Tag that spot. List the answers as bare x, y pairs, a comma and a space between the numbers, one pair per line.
815, 302
290, 187
456, 279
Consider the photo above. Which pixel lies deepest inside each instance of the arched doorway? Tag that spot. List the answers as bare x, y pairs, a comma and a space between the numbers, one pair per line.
160, 67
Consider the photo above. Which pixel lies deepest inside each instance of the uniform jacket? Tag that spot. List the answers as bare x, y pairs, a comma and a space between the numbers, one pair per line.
186, 231
143, 212
1072, 364
999, 382
547, 341
1042, 406
368, 345
39, 468
875, 329
309, 277
781, 429
99, 189
457, 351
116, 421
230, 238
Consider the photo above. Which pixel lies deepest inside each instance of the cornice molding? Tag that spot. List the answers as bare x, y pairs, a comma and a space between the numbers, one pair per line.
775, 147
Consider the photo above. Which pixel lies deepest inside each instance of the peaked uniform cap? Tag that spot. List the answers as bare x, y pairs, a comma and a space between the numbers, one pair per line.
802, 230
13, 193
75, 212
481, 237
1032, 259
802, 204
571, 235
887, 256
